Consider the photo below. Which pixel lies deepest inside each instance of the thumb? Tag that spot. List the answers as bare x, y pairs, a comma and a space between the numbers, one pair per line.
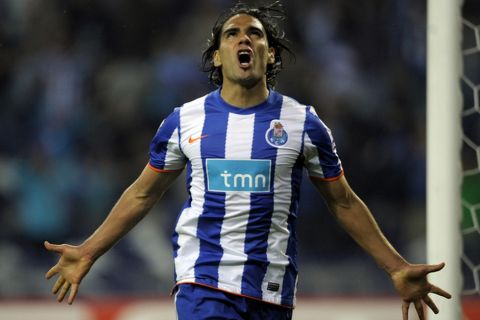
53, 247
435, 267
424, 269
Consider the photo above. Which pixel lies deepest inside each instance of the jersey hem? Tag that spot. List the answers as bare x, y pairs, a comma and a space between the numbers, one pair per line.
234, 292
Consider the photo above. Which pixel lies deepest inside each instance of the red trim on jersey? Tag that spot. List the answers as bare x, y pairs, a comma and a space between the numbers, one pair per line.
329, 179
161, 170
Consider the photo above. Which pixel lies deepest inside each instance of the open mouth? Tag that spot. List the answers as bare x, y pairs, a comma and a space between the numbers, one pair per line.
244, 57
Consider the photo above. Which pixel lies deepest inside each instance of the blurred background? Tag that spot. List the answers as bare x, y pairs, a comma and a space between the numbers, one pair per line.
85, 84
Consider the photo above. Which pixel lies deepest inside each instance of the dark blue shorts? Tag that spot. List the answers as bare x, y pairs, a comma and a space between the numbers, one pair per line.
195, 302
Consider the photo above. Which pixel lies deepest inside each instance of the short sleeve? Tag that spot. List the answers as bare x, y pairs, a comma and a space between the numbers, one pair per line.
165, 150
319, 150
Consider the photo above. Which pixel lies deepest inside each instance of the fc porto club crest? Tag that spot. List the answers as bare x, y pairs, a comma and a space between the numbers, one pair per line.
276, 135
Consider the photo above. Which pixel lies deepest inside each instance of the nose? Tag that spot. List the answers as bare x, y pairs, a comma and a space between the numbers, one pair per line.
245, 39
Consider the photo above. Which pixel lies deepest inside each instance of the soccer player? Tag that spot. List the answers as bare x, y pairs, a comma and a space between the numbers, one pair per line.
244, 147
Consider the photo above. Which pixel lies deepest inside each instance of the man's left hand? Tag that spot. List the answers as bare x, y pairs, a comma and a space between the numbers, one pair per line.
412, 285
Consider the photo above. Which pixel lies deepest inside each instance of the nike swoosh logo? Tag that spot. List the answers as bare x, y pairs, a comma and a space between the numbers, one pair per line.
192, 140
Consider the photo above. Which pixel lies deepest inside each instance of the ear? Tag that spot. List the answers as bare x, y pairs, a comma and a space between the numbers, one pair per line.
216, 59
271, 55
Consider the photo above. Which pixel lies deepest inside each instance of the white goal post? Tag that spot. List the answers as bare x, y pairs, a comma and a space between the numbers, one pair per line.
444, 173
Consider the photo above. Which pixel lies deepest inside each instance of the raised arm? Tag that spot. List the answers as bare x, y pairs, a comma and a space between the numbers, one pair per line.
132, 206
353, 215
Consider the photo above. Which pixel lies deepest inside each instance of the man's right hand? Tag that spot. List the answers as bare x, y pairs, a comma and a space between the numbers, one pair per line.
72, 266
133, 205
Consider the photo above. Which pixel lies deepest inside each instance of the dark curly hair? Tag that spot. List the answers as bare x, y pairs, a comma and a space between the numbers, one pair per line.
269, 16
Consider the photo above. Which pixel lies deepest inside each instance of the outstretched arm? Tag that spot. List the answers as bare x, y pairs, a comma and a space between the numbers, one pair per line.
133, 205
354, 216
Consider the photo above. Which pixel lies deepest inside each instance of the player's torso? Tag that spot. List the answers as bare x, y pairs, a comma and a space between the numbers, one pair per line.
243, 174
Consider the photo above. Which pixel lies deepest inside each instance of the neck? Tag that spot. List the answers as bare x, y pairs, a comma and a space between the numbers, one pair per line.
243, 97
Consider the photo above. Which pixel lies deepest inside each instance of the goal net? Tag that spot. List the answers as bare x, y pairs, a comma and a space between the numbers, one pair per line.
471, 148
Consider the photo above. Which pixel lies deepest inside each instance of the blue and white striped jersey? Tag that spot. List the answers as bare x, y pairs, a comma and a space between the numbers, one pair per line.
236, 231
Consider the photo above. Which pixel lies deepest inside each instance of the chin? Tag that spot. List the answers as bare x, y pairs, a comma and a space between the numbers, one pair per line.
249, 82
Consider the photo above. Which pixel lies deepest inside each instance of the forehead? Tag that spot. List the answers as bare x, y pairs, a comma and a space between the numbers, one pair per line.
242, 20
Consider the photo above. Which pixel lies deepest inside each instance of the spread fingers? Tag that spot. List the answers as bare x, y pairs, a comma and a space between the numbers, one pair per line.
58, 284
63, 292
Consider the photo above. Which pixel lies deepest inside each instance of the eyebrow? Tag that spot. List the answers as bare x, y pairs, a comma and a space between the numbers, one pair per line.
230, 29
236, 29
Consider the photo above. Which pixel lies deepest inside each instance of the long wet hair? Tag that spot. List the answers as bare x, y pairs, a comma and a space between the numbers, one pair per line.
270, 17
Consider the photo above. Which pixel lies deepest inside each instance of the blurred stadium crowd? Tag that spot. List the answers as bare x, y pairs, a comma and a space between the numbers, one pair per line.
84, 85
